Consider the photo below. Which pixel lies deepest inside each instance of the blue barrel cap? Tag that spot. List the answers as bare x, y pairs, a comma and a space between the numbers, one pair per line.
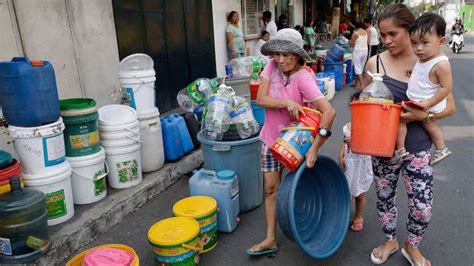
225, 174
5, 159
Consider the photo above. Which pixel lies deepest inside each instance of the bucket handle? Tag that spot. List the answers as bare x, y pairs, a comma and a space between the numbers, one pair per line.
197, 248
135, 139
133, 131
297, 128
221, 147
95, 178
312, 110
143, 83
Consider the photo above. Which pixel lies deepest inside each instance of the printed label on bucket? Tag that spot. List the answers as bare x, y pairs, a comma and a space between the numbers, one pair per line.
56, 204
5, 246
54, 150
99, 184
130, 98
127, 171
84, 140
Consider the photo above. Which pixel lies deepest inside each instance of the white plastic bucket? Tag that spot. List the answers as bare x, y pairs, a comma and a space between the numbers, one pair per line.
115, 143
120, 134
125, 165
140, 88
153, 155
41, 148
331, 89
56, 185
116, 115
130, 126
88, 177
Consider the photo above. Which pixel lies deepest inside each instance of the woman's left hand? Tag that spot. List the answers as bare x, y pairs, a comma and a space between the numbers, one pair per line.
311, 157
410, 114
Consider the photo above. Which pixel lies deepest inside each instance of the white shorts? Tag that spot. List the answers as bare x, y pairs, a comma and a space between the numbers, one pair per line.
359, 57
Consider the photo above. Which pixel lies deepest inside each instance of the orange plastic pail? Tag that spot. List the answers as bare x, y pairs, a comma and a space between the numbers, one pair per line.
295, 140
374, 128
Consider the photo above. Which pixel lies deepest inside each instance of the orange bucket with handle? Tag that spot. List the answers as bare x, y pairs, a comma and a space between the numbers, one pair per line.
374, 128
295, 140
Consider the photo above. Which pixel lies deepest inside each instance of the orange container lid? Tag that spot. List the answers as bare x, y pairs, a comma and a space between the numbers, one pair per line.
14, 170
37, 62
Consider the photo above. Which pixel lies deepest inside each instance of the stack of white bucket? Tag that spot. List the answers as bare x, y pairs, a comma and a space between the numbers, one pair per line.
121, 138
45, 168
137, 80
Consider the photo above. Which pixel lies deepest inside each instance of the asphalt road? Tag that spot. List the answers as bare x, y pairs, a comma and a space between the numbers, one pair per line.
446, 242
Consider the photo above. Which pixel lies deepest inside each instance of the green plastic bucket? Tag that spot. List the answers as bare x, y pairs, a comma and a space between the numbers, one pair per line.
81, 135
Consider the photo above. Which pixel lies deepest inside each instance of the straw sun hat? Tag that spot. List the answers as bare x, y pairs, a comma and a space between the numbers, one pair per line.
286, 41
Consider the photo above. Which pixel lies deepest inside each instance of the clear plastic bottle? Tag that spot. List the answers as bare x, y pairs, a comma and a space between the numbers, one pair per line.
217, 120
245, 66
242, 117
196, 93
376, 91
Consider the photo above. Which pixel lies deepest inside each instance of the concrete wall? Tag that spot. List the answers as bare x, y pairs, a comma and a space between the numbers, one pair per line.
298, 12
78, 37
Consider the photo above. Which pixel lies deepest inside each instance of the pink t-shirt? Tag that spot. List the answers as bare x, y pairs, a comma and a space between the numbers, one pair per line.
300, 88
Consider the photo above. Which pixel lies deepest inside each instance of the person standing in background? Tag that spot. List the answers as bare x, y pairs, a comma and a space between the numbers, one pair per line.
265, 37
282, 22
269, 24
235, 36
372, 35
360, 44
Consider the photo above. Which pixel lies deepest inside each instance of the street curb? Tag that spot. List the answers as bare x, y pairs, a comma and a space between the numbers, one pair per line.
68, 239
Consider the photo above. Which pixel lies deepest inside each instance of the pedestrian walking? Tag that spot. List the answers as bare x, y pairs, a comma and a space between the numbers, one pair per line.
373, 36
396, 64
359, 41
359, 174
284, 87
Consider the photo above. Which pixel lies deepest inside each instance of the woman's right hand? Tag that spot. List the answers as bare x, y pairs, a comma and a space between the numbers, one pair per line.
294, 109
347, 141
342, 163
234, 54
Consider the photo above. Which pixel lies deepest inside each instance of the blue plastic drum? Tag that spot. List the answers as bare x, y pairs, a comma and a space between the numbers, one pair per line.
313, 207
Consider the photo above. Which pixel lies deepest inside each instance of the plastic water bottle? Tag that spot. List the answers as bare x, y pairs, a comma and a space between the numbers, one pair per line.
217, 120
376, 91
196, 93
245, 66
242, 117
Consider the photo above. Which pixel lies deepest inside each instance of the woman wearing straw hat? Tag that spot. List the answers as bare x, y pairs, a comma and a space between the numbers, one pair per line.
284, 87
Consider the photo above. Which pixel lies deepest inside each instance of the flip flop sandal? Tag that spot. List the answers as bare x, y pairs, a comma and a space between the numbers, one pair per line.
262, 252
411, 261
385, 255
357, 226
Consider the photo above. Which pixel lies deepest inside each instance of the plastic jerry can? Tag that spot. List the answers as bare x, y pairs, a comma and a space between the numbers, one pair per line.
171, 139
193, 127
183, 133
26, 87
223, 186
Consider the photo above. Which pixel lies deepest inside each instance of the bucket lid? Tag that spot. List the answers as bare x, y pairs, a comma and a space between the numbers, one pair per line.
225, 174
173, 231
20, 197
116, 114
136, 62
108, 256
59, 172
76, 103
88, 159
41, 131
5, 159
195, 206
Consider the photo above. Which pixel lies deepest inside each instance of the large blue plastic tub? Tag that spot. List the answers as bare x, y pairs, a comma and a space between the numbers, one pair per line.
28, 93
241, 156
313, 207
338, 69
258, 113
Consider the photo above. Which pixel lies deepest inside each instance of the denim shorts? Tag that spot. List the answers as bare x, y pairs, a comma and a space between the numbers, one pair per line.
268, 163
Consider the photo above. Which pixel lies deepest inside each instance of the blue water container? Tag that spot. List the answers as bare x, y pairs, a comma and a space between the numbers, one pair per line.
28, 93
335, 54
223, 187
349, 71
171, 139
313, 207
183, 132
258, 113
241, 156
337, 68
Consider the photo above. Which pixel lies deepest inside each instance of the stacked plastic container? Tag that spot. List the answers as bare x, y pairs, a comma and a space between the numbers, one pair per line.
137, 80
83, 149
26, 89
121, 139
176, 138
